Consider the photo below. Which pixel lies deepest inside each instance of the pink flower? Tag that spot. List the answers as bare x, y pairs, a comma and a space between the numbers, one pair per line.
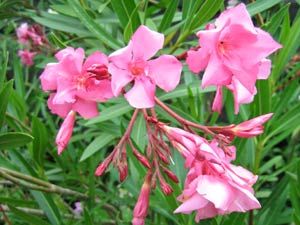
233, 54
32, 33
132, 64
23, 33
26, 57
65, 132
213, 185
141, 208
79, 86
250, 128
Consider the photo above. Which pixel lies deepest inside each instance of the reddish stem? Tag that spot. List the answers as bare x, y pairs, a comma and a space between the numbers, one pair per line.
180, 119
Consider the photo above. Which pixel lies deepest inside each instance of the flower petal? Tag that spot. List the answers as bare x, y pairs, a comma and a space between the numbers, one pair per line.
217, 104
264, 69
96, 91
86, 109
146, 42
119, 78
197, 60
95, 58
216, 73
165, 70
193, 203
141, 95
49, 77
60, 109
215, 190
77, 56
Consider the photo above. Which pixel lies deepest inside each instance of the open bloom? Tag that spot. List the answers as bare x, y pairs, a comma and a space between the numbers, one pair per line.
76, 86
79, 86
33, 33
233, 54
26, 57
213, 185
132, 64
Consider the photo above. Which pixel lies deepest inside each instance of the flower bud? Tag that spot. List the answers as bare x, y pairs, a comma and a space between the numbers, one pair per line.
122, 166
251, 128
141, 158
65, 132
171, 175
103, 166
141, 208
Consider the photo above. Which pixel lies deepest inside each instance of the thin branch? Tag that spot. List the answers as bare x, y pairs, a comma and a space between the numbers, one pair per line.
37, 184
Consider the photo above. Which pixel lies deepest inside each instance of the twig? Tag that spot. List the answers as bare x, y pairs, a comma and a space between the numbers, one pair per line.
180, 119
37, 212
37, 184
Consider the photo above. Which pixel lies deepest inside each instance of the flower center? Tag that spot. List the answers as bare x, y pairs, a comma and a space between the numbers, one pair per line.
137, 68
81, 82
98, 71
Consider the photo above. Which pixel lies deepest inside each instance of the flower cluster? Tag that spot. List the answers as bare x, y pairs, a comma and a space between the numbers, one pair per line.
233, 54
32, 38
213, 185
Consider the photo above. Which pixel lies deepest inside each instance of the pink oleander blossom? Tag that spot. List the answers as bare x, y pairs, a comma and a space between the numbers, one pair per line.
26, 57
132, 64
33, 34
23, 33
213, 185
233, 54
78, 85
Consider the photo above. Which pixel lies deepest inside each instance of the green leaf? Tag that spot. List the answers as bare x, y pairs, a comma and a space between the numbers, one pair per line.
14, 139
94, 27
131, 25
125, 12
96, 145
276, 20
28, 218
139, 134
290, 46
40, 142
168, 15
4, 97
260, 6
3, 70
111, 113
206, 12
44, 200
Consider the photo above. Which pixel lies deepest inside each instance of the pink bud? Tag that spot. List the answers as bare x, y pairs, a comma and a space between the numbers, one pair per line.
26, 57
122, 166
141, 208
65, 132
103, 166
165, 187
251, 128
162, 157
141, 158
171, 175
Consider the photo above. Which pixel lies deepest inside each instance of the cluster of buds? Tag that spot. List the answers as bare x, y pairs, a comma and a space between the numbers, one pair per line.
232, 53
33, 40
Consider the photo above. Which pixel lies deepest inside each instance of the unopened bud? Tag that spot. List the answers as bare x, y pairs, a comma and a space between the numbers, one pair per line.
171, 175
165, 187
162, 157
141, 208
141, 158
103, 166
